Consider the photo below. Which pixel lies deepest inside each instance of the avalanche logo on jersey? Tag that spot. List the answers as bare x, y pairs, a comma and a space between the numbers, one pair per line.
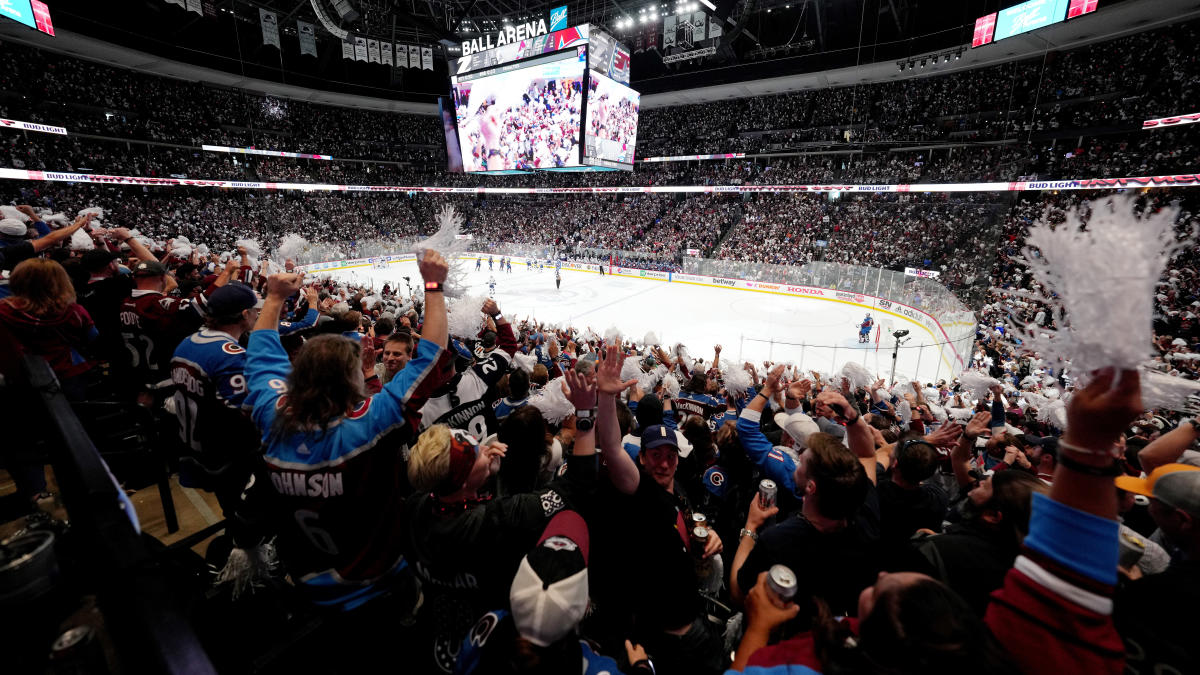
232, 348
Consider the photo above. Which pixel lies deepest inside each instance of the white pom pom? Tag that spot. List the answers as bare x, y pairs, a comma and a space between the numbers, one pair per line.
904, 411
1162, 391
80, 241
253, 250
938, 412
59, 219
859, 377
525, 362
1058, 416
650, 340
612, 336
1103, 279
552, 402
631, 369
96, 211
291, 247
960, 414
977, 384
737, 381
671, 385
203, 250
465, 316
446, 242
883, 394
7, 211
899, 389
247, 570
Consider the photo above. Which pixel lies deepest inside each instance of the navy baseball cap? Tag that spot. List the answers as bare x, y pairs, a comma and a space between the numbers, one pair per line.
232, 299
658, 436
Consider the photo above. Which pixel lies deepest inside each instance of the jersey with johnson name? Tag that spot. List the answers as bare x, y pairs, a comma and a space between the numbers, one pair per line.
334, 494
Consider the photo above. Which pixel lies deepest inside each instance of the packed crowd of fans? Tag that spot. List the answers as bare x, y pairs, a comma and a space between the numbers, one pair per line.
438, 475
520, 497
1116, 83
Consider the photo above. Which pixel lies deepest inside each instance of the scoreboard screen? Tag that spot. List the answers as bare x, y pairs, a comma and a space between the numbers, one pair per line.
1027, 16
1081, 7
985, 28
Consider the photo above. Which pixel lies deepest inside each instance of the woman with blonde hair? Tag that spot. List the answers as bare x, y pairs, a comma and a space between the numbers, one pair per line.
43, 318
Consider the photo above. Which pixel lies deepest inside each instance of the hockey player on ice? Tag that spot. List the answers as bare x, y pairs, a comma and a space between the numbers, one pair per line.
558, 279
478, 264
864, 329
491, 286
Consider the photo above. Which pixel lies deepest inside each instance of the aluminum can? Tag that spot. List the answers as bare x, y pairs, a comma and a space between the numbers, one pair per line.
767, 492
782, 583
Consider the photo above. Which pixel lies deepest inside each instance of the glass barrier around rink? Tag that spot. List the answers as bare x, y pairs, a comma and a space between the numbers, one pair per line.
952, 340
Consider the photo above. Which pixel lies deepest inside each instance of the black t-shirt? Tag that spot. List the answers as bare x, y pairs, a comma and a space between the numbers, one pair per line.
1156, 616
968, 558
903, 511
475, 552
102, 299
834, 566
640, 564
14, 253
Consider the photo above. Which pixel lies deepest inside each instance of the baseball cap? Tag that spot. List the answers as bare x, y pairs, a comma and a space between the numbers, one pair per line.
659, 435
97, 259
1180, 489
797, 425
1149, 487
149, 268
231, 299
549, 594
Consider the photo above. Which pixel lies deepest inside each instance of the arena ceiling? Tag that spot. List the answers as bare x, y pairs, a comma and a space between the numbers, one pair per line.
761, 38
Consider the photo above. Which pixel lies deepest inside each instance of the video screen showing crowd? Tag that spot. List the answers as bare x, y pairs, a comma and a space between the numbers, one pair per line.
523, 120
612, 119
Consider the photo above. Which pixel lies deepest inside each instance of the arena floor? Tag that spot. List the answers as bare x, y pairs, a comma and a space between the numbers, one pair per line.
813, 333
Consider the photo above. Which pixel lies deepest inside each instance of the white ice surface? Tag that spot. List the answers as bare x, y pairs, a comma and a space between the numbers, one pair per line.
814, 334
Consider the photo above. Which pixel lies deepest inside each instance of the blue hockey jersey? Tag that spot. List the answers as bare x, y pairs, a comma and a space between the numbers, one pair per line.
332, 494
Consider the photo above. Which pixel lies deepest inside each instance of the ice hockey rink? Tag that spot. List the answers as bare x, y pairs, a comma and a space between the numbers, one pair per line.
815, 334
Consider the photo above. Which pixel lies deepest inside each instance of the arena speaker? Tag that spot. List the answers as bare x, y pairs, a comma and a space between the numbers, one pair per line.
344, 10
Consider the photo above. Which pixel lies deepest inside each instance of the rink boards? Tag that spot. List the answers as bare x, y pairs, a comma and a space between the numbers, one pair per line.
951, 355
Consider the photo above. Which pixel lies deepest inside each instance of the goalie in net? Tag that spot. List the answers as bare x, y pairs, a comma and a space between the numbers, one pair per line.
379, 263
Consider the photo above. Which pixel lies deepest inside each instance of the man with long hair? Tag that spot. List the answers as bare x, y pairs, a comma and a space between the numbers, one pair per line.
329, 484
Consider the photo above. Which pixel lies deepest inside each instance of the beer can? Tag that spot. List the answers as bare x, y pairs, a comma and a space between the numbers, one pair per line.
699, 539
782, 582
1132, 548
78, 652
699, 520
767, 491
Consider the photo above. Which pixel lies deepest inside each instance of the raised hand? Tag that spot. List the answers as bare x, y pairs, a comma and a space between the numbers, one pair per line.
608, 371
582, 392
433, 266
945, 436
978, 425
832, 404
490, 307
1101, 411
284, 285
771, 384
